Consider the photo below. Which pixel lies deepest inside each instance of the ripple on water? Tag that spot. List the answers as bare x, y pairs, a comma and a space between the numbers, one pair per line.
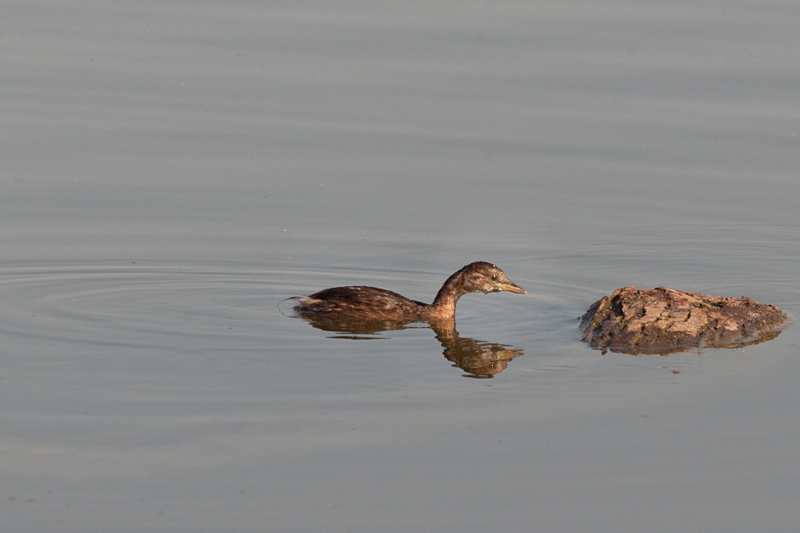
145, 305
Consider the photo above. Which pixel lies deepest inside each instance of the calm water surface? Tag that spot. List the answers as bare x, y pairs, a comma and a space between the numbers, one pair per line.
171, 171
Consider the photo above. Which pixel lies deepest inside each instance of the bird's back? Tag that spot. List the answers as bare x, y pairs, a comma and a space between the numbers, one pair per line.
362, 302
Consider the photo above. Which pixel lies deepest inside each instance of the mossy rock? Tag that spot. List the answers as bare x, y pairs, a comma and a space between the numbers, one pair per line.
662, 321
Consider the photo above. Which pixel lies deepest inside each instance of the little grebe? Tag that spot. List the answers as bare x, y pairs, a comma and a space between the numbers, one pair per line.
369, 303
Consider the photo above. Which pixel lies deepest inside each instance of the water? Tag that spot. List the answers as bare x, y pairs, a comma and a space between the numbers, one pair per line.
172, 171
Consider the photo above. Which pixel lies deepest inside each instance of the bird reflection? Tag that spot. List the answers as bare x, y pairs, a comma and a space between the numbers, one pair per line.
479, 359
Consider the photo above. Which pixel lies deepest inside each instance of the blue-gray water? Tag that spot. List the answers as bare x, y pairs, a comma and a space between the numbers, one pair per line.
170, 171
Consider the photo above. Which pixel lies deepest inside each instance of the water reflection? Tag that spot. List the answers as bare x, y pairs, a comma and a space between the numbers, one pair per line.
669, 349
478, 358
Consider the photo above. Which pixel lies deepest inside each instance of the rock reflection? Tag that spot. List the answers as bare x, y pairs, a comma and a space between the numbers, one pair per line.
479, 359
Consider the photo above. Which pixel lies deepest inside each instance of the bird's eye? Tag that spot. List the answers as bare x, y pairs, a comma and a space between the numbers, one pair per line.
494, 277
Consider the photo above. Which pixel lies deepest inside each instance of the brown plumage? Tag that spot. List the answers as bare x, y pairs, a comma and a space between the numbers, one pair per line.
370, 303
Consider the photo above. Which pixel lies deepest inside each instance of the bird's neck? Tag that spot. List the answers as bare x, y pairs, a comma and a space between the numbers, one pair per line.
444, 305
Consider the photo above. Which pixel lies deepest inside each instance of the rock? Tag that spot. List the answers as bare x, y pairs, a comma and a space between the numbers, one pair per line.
661, 321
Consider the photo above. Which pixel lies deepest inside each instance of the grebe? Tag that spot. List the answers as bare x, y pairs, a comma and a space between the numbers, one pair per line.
370, 303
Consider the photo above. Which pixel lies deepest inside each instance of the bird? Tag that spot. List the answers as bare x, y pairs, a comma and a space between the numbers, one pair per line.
371, 303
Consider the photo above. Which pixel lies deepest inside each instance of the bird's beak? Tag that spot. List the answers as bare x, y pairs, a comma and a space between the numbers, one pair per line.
511, 287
